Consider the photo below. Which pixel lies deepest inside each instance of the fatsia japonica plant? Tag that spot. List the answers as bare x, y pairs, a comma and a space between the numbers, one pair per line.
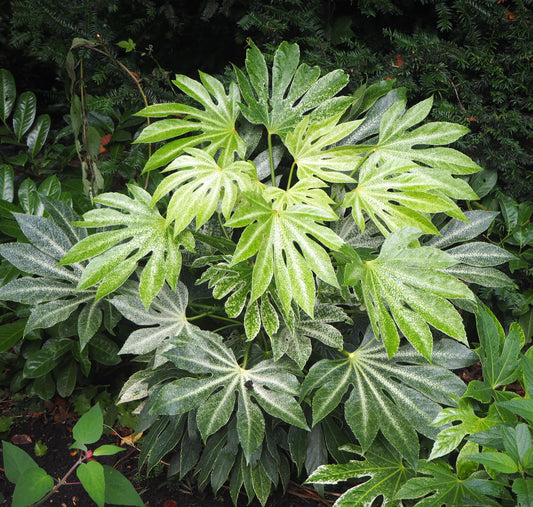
288, 296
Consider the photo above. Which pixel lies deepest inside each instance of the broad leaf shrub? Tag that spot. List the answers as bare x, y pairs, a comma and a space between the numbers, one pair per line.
490, 426
285, 276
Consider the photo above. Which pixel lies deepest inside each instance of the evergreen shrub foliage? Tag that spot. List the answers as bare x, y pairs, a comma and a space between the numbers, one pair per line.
474, 57
293, 277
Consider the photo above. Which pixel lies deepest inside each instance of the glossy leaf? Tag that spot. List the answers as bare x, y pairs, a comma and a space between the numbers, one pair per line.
446, 488
202, 182
24, 114
116, 253
272, 235
268, 385
393, 396
383, 468
458, 231
311, 145
7, 181
212, 124
8, 94
404, 289
279, 99
38, 134
395, 193
450, 437
396, 142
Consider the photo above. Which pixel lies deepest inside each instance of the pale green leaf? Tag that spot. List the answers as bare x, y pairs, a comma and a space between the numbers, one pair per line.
394, 194
272, 234
404, 283
116, 253
213, 123
203, 183
310, 145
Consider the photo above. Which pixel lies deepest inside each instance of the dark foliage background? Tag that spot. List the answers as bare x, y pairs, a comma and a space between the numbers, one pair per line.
474, 56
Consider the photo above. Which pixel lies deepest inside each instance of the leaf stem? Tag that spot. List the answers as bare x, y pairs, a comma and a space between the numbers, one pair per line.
271, 159
246, 354
290, 175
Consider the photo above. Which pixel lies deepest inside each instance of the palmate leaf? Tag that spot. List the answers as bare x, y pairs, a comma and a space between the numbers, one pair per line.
466, 422
447, 489
397, 396
404, 289
235, 281
397, 194
475, 259
310, 144
268, 384
52, 290
163, 320
296, 343
279, 101
396, 142
273, 235
384, 468
306, 191
202, 182
214, 125
116, 253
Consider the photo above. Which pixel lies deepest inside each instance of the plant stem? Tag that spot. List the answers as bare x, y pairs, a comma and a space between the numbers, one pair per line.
61, 482
271, 159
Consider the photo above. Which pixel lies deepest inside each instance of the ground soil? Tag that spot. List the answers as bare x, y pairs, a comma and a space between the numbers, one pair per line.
53, 427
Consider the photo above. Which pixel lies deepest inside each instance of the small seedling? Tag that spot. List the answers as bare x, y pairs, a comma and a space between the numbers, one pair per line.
104, 484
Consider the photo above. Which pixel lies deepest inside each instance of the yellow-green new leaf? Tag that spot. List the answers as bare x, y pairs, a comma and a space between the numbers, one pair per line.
204, 184
396, 193
214, 125
272, 235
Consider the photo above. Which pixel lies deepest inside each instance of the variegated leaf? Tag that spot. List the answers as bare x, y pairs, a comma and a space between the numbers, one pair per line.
272, 235
395, 193
213, 124
396, 142
51, 291
116, 253
268, 384
279, 99
395, 396
384, 470
311, 145
203, 183
297, 344
165, 316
